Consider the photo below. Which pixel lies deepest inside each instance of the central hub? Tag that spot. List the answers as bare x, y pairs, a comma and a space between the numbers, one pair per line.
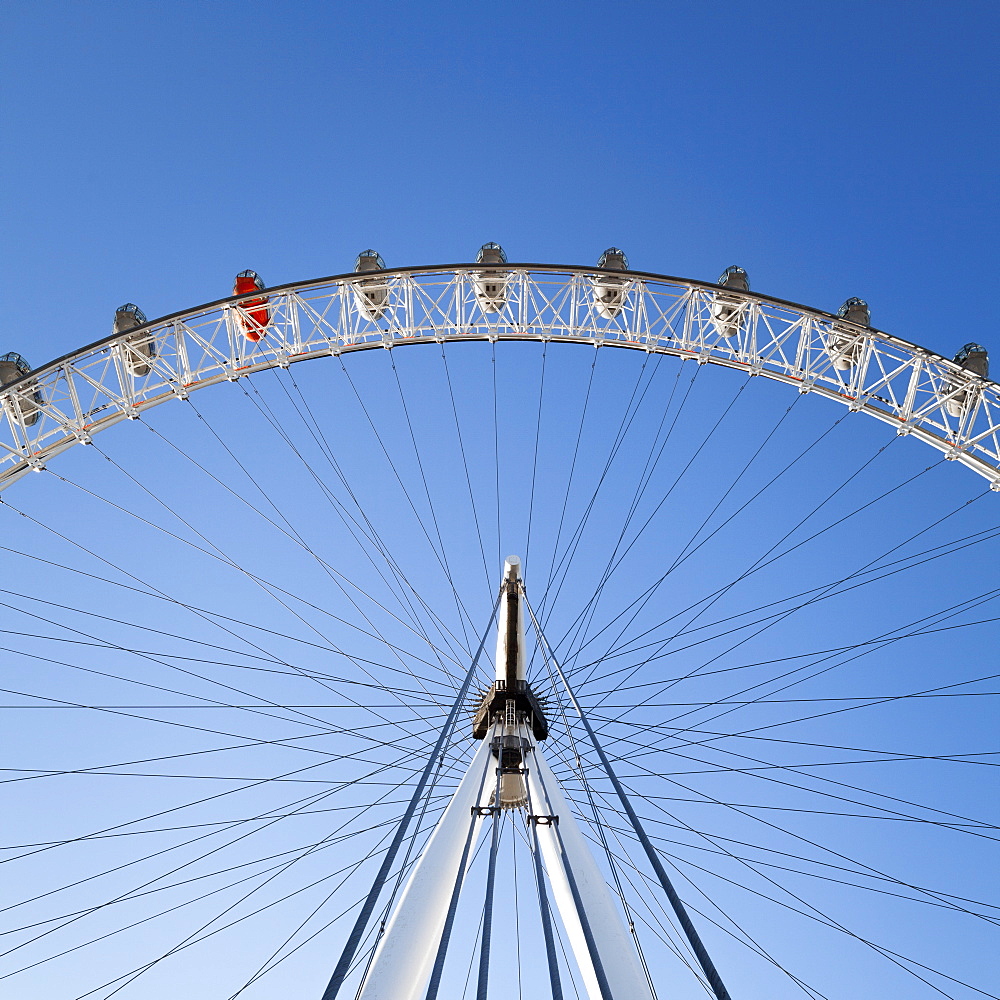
510, 697
526, 707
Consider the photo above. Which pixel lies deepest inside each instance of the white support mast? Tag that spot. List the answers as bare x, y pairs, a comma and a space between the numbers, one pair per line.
601, 945
405, 955
509, 769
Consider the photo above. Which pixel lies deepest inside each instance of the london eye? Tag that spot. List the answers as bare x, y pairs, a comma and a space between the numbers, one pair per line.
615, 638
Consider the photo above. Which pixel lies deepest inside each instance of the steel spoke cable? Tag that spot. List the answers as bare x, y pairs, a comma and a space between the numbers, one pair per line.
588, 608
534, 454
269, 588
438, 554
824, 593
105, 644
290, 532
866, 648
685, 826
306, 719
687, 550
339, 579
829, 878
350, 522
626, 423
641, 685
970, 826
307, 675
267, 819
763, 561
316, 432
366, 955
202, 933
274, 961
937, 898
705, 797
963, 827
736, 931
624, 862
805, 743
782, 616
208, 614
379, 766
680, 825
639, 603
586, 615
205, 616
288, 742
463, 614
218, 822
326, 841
131, 896
404, 742
822, 917
320, 845
325, 728
945, 758
901, 961
473, 506
941, 616
569, 480
940, 758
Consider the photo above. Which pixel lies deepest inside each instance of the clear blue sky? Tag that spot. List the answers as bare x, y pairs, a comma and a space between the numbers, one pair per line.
152, 151
831, 149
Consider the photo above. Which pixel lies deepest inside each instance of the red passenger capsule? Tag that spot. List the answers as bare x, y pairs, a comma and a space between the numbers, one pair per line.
254, 314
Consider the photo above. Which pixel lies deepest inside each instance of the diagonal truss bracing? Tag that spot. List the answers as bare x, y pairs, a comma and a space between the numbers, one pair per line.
911, 388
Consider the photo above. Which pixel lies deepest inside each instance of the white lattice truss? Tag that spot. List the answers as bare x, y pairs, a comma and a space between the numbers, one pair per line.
908, 387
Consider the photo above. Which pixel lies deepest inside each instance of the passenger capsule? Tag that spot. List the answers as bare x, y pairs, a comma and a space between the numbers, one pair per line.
140, 349
975, 360
254, 314
846, 345
491, 286
609, 292
728, 310
12, 369
372, 293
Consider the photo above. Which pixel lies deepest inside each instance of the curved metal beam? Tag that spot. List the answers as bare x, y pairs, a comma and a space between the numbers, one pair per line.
912, 389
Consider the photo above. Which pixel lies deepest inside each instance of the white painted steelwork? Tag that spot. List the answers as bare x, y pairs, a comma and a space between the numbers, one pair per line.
566, 854
908, 387
405, 955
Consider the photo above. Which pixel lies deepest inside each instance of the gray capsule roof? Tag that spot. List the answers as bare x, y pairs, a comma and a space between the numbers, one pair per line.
856, 310
369, 260
613, 259
491, 253
974, 358
734, 277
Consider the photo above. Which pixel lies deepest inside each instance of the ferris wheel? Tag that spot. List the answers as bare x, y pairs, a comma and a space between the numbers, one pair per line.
289, 718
